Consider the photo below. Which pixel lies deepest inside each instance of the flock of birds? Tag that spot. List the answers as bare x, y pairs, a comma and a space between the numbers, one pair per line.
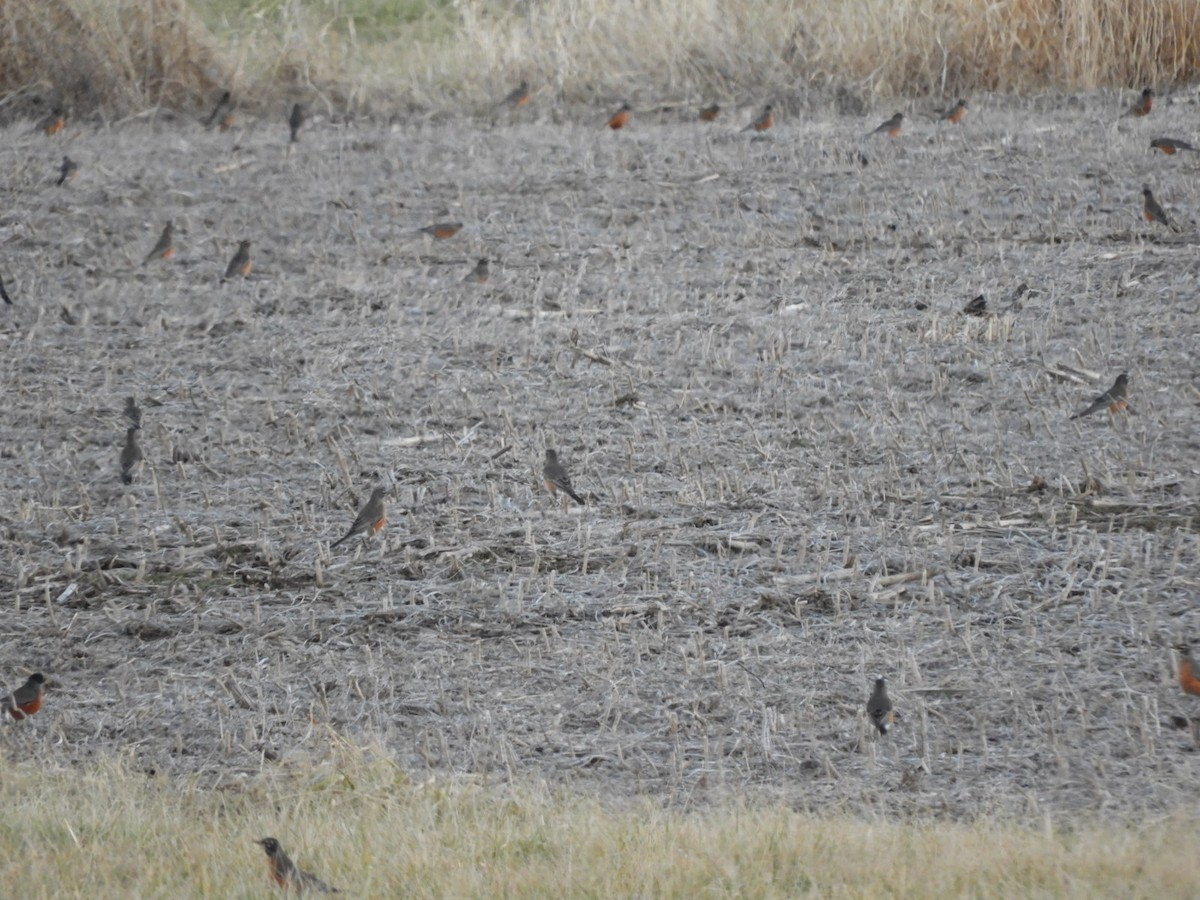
371, 518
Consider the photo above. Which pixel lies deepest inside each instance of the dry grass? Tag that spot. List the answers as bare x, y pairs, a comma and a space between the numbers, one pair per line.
360, 823
360, 55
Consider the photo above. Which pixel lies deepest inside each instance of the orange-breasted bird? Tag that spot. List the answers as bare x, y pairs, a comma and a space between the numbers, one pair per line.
518, 97
223, 105
55, 122
240, 264
710, 113
555, 476
620, 118
764, 121
165, 248
1151, 210
1143, 105
479, 274
27, 699
371, 517
1186, 671
67, 171
442, 230
1171, 146
1115, 399
955, 113
879, 707
288, 875
892, 126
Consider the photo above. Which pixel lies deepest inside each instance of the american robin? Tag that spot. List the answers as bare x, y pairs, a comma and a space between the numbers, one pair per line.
240, 264
518, 97
27, 699
288, 875
710, 113
1151, 210
442, 230
557, 479
764, 121
165, 248
1143, 105
955, 113
55, 122
295, 120
133, 413
1115, 399
67, 171
479, 274
4, 294
1186, 671
879, 707
131, 456
223, 105
620, 118
1171, 146
370, 518
892, 126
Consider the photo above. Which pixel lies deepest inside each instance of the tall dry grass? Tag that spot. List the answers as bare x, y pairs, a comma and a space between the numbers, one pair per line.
358, 822
130, 54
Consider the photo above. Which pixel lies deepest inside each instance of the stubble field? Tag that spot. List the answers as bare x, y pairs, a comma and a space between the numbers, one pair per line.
805, 466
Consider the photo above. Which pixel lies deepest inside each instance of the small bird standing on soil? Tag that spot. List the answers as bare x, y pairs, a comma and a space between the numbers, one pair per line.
1143, 105
480, 273
223, 105
554, 474
1171, 146
131, 456
518, 97
295, 121
892, 126
1115, 399
55, 122
1152, 211
165, 248
133, 413
240, 264
1186, 672
288, 875
764, 121
879, 707
371, 517
27, 699
710, 113
67, 171
620, 118
442, 230
955, 113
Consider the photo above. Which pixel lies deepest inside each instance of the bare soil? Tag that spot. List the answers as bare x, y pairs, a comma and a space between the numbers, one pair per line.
805, 465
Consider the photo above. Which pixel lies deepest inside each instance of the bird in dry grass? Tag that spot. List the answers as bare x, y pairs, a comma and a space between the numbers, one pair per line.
1151, 210
288, 875
240, 264
1115, 399
518, 97
55, 122
131, 456
710, 113
620, 118
879, 707
555, 476
27, 699
372, 517
224, 106
133, 413
764, 121
1171, 146
442, 230
165, 248
1143, 106
479, 274
68, 171
892, 126
955, 113
295, 121
1186, 671
4, 294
